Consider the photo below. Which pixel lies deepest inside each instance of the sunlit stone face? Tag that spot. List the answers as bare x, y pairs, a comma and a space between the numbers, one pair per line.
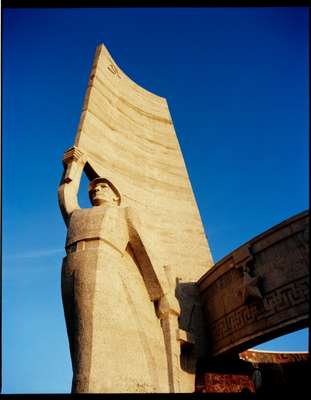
102, 194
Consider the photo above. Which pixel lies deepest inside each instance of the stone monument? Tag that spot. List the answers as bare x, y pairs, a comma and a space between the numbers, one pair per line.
146, 310
131, 303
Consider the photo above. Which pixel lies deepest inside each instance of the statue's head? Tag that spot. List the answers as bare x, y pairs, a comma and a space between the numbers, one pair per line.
103, 192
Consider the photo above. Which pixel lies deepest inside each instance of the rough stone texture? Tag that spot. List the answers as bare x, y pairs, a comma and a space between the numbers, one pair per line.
284, 373
262, 372
273, 357
128, 281
260, 290
227, 383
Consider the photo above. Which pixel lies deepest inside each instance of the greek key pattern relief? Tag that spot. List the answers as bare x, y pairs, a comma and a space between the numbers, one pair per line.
280, 299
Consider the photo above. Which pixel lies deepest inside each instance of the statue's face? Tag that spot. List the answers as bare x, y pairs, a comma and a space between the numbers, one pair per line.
103, 194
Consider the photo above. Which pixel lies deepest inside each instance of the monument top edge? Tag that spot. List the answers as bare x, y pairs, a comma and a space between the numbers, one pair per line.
101, 49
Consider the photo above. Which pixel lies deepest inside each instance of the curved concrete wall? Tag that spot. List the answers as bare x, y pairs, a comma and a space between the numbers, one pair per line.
259, 291
129, 137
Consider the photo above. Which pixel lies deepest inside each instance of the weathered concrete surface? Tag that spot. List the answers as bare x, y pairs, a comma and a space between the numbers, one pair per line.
131, 303
282, 373
262, 372
225, 383
260, 290
273, 357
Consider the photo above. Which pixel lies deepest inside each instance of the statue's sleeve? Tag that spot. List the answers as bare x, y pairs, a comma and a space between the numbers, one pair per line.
73, 162
152, 273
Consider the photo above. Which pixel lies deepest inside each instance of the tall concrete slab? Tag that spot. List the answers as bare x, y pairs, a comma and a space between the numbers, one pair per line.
129, 137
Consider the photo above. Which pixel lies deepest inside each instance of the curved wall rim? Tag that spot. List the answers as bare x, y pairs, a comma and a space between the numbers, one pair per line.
261, 290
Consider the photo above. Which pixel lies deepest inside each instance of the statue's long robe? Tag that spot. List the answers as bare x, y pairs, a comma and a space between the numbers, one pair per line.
112, 324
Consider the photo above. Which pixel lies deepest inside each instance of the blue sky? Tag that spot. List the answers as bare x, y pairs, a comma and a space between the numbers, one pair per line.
236, 80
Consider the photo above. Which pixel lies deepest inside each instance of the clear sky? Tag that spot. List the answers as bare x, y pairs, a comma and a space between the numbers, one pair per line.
236, 80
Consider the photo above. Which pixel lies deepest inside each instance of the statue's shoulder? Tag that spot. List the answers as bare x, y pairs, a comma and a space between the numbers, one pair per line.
85, 212
132, 215
128, 210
